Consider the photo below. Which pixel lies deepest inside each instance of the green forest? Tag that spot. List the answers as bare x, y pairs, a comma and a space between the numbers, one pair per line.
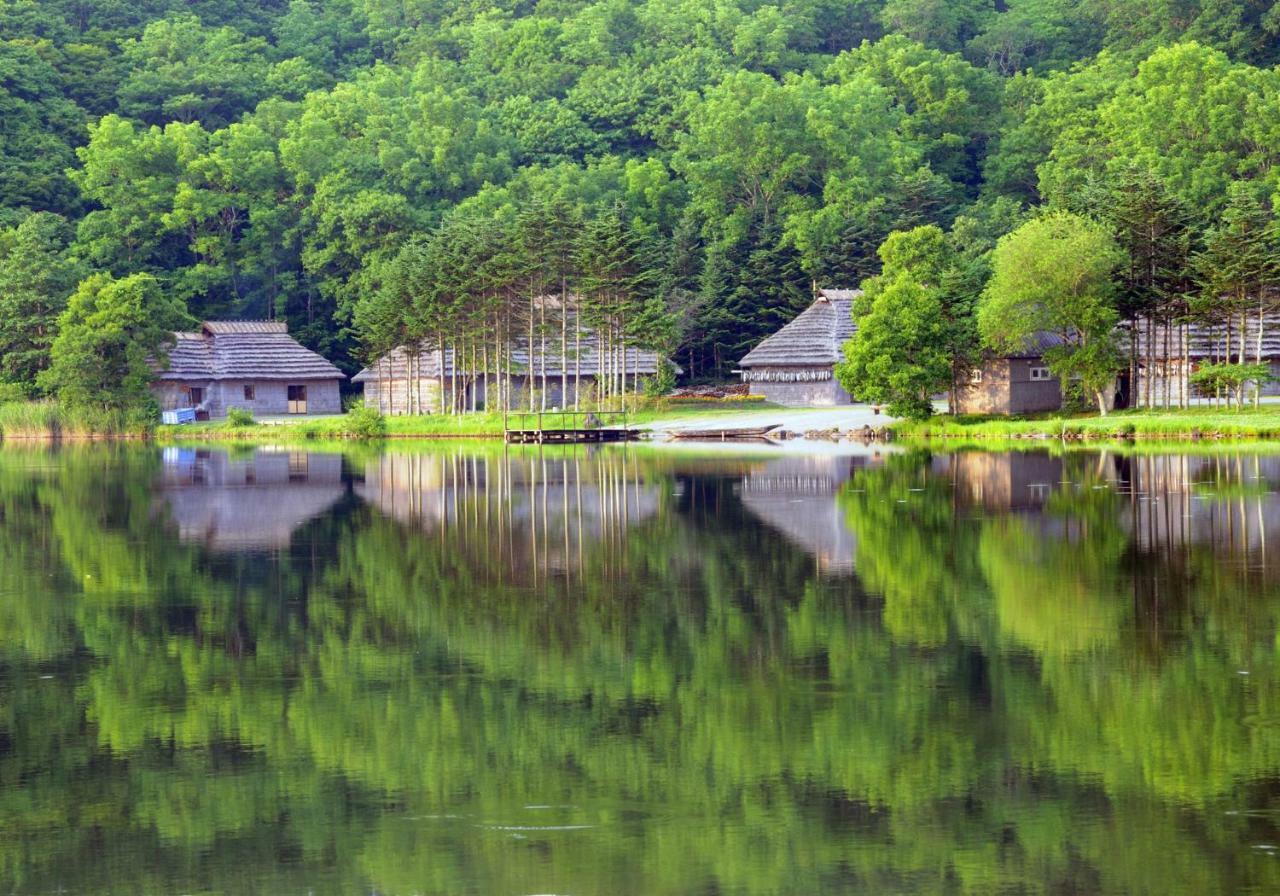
379, 170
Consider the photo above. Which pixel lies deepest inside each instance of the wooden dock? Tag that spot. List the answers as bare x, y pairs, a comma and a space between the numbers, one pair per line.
569, 436
566, 428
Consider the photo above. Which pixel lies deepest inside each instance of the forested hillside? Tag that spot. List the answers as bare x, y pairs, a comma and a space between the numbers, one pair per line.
326, 160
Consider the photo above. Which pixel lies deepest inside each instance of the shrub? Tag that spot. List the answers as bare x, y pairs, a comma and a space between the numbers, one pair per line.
662, 382
364, 422
11, 392
239, 417
1230, 379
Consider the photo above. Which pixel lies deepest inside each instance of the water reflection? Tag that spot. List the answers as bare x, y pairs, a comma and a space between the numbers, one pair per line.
532, 515
252, 501
620, 671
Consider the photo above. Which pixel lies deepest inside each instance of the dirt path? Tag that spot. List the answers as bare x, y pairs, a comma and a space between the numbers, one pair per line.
795, 419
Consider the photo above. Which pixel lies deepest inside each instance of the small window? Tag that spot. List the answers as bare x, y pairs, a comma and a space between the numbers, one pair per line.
250, 393
1041, 373
196, 395
975, 376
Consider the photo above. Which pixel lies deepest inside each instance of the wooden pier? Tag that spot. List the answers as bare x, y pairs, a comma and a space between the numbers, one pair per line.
566, 428
568, 436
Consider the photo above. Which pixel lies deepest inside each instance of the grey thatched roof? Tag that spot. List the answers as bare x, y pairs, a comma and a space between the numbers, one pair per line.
814, 338
427, 362
244, 350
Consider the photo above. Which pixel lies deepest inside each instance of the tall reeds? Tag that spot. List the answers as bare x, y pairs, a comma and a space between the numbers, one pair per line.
48, 421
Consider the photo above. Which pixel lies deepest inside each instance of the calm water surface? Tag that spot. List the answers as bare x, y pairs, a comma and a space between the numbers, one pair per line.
638, 672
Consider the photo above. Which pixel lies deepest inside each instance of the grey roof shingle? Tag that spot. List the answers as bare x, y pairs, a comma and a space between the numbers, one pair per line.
244, 350
814, 338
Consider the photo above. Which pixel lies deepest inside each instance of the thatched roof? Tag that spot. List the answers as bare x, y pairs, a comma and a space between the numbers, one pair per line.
1206, 341
427, 362
814, 338
244, 350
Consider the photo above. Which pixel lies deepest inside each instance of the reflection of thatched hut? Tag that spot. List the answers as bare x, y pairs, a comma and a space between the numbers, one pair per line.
796, 365
252, 503
797, 497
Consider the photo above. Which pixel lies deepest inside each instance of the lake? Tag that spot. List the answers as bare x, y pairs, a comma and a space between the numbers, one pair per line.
637, 670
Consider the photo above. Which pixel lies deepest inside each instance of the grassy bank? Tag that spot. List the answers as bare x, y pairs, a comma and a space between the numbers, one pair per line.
1173, 424
438, 426
50, 421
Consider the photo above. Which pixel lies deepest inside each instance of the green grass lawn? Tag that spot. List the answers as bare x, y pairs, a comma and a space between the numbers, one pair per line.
1189, 423
441, 426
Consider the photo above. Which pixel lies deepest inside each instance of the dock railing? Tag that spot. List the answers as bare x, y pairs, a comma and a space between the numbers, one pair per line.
565, 426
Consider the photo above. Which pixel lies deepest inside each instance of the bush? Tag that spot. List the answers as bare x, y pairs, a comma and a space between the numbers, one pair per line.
239, 417
11, 392
662, 382
364, 422
1230, 379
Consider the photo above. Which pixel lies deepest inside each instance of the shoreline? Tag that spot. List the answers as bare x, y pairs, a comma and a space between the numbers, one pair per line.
853, 424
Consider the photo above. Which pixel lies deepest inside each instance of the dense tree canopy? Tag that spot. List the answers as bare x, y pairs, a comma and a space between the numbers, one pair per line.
267, 159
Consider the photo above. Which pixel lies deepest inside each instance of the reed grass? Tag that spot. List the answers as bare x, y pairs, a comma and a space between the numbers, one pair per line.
50, 421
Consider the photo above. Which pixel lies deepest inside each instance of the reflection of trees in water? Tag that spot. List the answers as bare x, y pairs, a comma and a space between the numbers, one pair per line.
720, 714
526, 515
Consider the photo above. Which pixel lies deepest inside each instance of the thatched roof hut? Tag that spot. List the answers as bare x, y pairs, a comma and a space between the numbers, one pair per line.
409, 379
254, 364
796, 365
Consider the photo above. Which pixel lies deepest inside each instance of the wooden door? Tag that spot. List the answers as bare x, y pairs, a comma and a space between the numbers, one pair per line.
297, 399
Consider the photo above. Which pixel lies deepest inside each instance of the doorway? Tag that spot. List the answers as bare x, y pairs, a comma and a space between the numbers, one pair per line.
297, 399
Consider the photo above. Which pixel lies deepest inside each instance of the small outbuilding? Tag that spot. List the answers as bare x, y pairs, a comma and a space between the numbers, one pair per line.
796, 365
1019, 383
250, 364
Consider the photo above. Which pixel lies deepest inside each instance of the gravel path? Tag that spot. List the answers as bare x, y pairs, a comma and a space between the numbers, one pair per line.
795, 419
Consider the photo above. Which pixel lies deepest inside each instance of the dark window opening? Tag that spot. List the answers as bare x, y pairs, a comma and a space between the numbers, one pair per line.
250, 393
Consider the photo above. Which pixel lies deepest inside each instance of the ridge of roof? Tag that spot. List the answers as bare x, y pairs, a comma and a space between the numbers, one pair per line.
227, 327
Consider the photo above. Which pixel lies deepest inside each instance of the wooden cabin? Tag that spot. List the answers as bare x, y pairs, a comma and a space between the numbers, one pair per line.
250, 364
796, 365
1018, 383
